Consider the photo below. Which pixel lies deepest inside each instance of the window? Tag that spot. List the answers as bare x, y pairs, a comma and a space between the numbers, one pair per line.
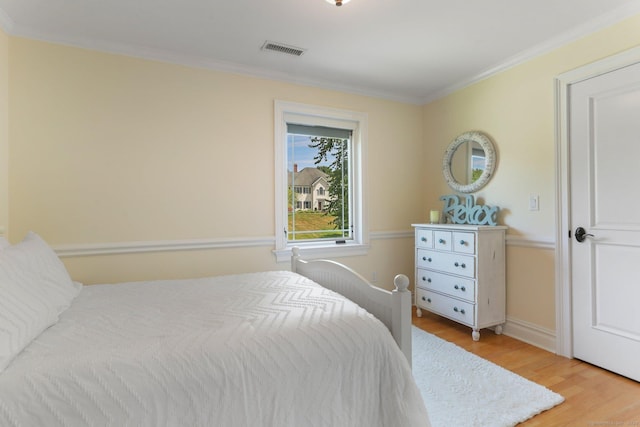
478, 160
319, 181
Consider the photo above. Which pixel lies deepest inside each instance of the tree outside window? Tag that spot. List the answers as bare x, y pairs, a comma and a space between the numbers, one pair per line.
316, 162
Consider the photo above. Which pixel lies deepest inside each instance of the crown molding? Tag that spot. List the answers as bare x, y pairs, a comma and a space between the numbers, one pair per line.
6, 23
623, 12
626, 11
195, 61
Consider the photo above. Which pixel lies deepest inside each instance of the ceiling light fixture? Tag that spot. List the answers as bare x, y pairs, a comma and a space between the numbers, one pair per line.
338, 2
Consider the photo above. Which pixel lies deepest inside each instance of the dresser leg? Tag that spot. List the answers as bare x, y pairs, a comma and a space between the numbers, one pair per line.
418, 312
475, 335
498, 330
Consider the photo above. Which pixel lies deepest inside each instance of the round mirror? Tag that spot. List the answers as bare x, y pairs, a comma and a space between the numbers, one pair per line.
469, 162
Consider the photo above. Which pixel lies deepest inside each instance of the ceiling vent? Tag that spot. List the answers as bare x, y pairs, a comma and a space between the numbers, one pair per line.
282, 48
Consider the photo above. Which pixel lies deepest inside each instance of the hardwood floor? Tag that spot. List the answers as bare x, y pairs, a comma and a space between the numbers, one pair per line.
593, 396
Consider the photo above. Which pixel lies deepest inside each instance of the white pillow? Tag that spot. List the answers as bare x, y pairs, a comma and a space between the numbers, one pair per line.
24, 312
36, 257
34, 289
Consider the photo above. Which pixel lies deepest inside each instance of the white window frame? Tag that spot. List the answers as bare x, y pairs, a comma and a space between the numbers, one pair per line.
312, 115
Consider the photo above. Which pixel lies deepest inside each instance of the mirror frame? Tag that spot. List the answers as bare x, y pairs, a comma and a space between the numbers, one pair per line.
490, 164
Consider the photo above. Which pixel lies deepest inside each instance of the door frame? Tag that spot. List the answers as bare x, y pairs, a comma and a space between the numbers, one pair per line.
563, 288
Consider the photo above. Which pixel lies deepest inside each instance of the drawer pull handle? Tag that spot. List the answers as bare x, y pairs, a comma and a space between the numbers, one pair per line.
424, 258
463, 289
441, 241
462, 242
424, 239
463, 265
461, 311
426, 299
428, 280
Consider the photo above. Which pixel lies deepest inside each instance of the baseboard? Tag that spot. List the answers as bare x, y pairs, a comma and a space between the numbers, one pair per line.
530, 333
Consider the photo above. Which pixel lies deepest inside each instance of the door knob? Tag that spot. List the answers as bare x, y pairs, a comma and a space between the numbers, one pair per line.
582, 234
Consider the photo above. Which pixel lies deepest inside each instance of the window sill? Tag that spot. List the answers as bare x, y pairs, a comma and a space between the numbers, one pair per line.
322, 250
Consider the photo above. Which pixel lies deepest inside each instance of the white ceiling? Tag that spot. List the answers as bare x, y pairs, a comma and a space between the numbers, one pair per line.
408, 50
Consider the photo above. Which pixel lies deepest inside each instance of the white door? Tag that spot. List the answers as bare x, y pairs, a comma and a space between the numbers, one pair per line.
604, 150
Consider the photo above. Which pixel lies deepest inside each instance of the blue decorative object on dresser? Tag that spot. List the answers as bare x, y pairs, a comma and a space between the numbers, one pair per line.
468, 213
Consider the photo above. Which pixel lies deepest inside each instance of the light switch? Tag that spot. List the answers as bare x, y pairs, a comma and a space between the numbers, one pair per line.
534, 202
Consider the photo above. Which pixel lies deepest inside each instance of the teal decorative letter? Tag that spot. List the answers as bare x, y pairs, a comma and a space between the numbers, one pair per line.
469, 213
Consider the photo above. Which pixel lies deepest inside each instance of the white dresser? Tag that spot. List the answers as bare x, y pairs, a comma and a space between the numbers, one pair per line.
460, 274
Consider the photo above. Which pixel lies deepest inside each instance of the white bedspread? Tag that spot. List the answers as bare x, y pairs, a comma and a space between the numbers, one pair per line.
260, 349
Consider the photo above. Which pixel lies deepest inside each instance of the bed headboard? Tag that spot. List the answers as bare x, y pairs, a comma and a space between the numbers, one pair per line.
393, 308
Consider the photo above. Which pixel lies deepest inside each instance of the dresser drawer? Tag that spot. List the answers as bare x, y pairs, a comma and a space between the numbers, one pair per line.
464, 242
455, 309
462, 265
442, 240
424, 238
460, 273
444, 283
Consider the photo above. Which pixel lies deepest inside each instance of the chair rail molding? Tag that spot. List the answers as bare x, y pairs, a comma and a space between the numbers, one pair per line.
112, 248
89, 249
538, 242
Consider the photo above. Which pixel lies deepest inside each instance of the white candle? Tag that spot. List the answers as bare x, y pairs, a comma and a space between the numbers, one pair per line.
435, 217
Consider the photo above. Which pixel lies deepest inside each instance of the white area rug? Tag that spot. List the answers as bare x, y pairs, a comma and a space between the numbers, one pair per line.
462, 389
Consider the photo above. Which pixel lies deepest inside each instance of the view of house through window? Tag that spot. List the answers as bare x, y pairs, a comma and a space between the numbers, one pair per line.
318, 171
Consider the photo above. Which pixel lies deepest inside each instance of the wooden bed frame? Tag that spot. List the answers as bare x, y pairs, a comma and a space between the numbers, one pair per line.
393, 308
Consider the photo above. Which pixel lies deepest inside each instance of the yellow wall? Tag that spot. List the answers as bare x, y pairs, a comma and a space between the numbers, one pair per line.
516, 109
4, 130
108, 148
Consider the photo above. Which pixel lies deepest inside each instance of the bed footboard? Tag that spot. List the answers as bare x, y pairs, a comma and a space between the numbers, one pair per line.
393, 308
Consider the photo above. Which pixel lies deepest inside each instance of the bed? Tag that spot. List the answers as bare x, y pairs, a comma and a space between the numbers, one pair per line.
271, 348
